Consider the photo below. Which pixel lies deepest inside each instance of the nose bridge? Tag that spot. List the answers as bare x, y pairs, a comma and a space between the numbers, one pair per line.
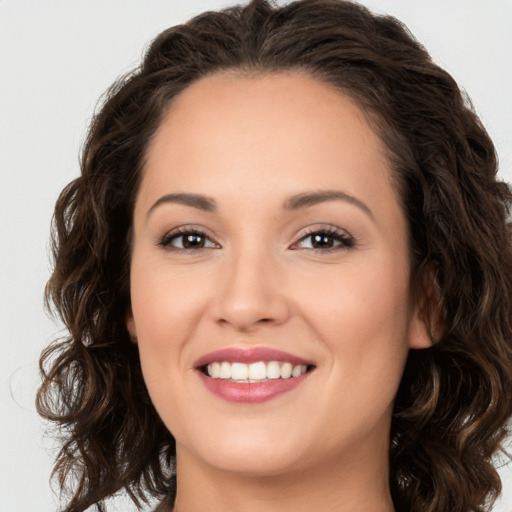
250, 294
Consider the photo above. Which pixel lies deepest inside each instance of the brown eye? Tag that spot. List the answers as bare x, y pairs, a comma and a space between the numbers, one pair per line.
321, 241
188, 240
192, 241
326, 240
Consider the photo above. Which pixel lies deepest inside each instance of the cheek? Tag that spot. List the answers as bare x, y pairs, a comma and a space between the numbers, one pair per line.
166, 311
165, 307
356, 296
363, 317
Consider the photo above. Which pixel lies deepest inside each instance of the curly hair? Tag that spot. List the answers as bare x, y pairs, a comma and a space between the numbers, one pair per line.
455, 398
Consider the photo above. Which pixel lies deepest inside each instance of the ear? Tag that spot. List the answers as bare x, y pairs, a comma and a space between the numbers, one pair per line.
427, 323
130, 326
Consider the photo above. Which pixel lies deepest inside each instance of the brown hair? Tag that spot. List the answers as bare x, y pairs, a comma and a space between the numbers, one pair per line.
455, 398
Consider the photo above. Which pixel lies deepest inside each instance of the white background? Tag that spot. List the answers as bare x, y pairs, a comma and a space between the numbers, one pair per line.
56, 58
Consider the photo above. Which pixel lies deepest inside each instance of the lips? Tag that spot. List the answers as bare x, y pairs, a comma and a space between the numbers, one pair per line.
250, 355
252, 375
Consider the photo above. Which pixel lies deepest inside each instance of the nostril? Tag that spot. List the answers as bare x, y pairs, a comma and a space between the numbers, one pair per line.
246, 323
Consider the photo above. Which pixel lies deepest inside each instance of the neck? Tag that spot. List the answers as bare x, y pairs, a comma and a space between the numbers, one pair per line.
354, 484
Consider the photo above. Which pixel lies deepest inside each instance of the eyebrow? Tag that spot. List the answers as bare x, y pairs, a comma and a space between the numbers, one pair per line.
198, 201
297, 202
308, 199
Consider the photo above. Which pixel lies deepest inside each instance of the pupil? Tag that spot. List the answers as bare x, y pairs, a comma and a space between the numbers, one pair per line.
193, 241
322, 241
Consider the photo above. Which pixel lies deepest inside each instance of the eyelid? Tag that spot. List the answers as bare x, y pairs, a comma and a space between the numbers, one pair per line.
165, 240
347, 240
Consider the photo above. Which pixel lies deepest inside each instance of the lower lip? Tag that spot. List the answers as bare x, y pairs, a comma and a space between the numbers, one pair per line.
251, 392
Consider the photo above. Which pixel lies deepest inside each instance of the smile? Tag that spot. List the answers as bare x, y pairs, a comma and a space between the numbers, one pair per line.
251, 375
254, 372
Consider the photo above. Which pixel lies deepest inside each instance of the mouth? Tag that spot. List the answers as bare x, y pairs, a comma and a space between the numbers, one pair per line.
252, 375
259, 371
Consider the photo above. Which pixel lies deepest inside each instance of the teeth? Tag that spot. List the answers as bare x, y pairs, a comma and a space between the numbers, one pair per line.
297, 371
239, 371
273, 370
257, 371
254, 372
225, 371
214, 370
286, 370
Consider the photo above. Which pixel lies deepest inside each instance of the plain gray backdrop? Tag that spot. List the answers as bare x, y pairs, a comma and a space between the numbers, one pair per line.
56, 58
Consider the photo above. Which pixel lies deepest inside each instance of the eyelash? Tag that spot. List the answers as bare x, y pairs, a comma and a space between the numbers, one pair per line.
345, 240
165, 241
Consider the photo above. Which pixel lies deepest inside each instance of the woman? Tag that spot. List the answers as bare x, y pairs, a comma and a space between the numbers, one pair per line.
286, 274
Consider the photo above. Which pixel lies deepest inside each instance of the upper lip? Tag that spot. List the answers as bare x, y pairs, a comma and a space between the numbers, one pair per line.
249, 355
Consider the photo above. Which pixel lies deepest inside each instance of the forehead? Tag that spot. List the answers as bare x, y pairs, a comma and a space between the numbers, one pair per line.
265, 136
291, 104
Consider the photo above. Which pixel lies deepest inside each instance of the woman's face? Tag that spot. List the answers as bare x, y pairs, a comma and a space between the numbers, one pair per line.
268, 239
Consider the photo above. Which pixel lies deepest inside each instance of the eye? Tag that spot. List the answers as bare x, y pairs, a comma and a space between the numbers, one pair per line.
325, 240
186, 239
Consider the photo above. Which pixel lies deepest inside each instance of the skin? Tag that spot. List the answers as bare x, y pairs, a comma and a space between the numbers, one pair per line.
252, 143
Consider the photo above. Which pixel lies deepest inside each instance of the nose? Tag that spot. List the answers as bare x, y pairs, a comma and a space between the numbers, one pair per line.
252, 294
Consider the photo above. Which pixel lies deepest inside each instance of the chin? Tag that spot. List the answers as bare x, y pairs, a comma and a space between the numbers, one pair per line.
258, 464
251, 455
